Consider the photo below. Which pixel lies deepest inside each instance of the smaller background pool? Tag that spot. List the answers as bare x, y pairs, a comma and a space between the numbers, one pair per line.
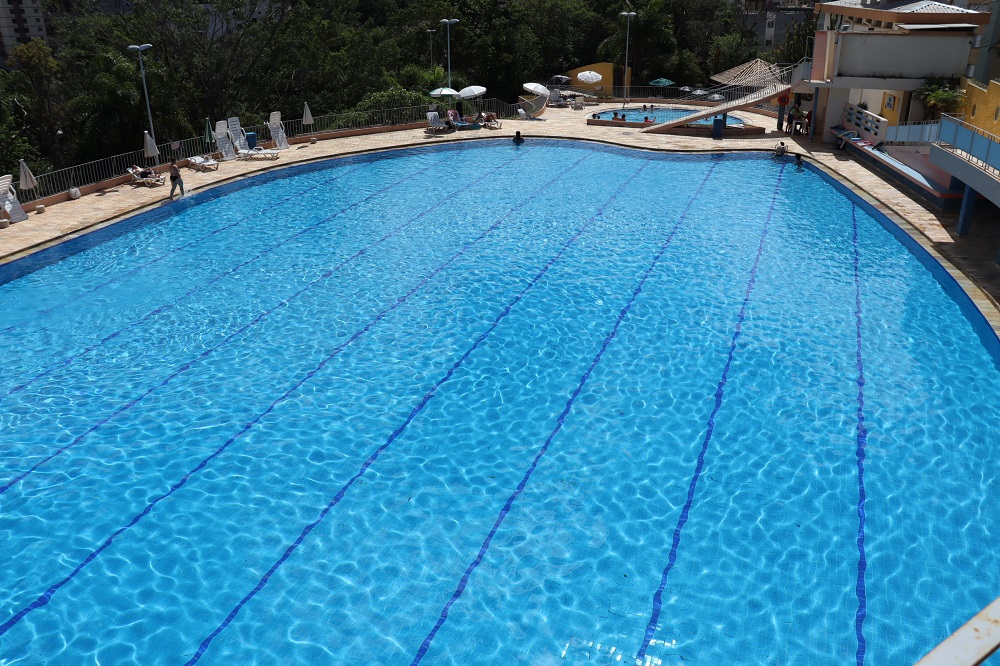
662, 114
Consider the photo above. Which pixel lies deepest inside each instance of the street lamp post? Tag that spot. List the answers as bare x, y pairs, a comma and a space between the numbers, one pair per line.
628, 27
430, 46
448, 23
145, 91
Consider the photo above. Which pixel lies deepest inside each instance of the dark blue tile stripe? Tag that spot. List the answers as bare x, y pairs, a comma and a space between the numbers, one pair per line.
163, 308
188, 365
254, 215
719, 392
862, 445
443, 617
392, 438
47, 595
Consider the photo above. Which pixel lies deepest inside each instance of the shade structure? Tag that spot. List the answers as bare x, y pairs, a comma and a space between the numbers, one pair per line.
209, 136
756, 73
589, 76
444, 92
471, 92
663, 83
537, 88
27, 180
307, 116
149, 146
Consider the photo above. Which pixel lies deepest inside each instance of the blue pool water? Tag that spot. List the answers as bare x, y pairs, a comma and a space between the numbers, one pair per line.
701, 410
662, 114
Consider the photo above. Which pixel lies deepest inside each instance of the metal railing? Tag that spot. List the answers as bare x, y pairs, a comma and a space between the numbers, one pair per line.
919, 133
107, 168
968, 142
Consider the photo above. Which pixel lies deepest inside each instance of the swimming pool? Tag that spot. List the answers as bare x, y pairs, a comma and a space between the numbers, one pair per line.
662, 114
579, 405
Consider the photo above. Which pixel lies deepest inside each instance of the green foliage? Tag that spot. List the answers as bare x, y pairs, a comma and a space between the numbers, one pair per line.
940, 95
797, 43
80, 97
392, 98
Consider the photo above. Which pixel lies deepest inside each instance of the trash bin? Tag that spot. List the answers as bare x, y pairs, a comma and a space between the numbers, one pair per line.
252, 139
717, 125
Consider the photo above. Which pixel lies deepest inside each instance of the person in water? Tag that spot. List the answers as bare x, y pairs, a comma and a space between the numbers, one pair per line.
518, 138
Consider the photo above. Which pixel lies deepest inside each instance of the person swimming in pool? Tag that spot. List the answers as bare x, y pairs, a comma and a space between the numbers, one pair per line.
518, 139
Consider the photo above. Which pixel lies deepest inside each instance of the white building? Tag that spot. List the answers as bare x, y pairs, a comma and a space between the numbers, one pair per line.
20, 22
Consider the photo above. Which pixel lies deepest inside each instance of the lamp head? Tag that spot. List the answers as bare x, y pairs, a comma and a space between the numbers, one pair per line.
140, 49
627, 14
449, 21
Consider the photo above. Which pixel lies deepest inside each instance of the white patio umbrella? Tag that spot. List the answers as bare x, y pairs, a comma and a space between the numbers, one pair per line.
537, 88
27, 180
715, 97
444, 92
149, 145
471, 92
589, 76
699, 91
307, 116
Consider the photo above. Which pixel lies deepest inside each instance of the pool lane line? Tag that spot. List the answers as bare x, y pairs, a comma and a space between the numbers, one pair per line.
46, 596
163, 308
189, 364
709, 431
73, 299
560, 420
409, 419
862, 445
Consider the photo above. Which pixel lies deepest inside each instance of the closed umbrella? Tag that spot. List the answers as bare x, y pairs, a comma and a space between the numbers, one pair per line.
471, 92
537, 88
149, 145
27, 180
589, 76
209, 134
444, 92
307, 116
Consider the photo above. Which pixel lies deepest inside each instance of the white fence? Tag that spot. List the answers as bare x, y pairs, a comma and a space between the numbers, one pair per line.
913, 134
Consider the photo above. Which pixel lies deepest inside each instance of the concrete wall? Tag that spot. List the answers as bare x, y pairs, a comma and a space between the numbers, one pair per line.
901, 55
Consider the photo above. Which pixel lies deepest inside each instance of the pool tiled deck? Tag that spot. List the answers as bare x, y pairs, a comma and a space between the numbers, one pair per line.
971, 260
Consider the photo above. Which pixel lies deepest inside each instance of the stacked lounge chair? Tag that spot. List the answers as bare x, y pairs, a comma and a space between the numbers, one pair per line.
8, 201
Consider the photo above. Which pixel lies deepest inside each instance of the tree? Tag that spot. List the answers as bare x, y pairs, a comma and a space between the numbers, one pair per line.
650, 37
940, 95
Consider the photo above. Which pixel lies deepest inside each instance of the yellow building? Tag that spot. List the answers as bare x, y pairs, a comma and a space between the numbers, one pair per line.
982, 105
602, 87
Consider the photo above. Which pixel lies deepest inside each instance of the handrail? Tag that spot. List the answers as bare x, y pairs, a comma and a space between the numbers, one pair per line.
970, 143
108, 168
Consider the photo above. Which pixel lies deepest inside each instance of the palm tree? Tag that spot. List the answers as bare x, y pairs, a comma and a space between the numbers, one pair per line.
940, 96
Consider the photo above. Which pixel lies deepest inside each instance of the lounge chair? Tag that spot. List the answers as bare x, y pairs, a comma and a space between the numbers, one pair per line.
239, 137
459, 122
258, 153
200, 163
224, 141
277, 131
524, 115
435, 124
490, 122
146, 177
8, 200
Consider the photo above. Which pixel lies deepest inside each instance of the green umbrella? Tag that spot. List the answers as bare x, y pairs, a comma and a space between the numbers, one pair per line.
209, 134
661, 82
